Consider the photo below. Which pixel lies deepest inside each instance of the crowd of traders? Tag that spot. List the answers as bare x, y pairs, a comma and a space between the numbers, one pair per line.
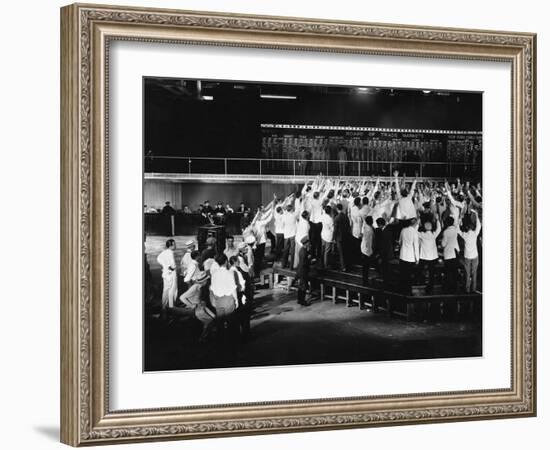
332, 223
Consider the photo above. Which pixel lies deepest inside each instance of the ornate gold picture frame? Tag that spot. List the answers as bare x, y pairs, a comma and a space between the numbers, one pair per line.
86, 33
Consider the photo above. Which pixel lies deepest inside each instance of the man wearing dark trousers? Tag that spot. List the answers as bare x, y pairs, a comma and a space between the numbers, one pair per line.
409, 254
367, 248
341, 235
305, 260
383, 244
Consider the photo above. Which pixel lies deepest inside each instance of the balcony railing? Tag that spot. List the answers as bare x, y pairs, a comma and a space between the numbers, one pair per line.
306, 167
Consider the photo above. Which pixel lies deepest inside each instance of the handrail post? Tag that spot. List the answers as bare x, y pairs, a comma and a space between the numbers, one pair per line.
294, 166
359, 168
189, 166
225, 165
260, 166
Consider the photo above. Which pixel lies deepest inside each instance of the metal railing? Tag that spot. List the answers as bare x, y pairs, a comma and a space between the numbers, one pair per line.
306, 167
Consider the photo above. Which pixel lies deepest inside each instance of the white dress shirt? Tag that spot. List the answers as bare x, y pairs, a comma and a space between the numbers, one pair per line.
223, 282
406, 208
356, 221
166, 260
302, 230
289, 224
450, 242
428, 246
316, 208
408, 241
279, 225
327, 231
234, 271
185, 261
260, 227
367, 240
191, 272
470, 241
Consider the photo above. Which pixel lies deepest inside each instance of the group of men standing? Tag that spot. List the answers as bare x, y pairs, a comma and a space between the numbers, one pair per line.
374, 224
332, 223
217, 285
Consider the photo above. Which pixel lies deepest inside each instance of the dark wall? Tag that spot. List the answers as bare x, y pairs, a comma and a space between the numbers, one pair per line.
157, 192
179, 123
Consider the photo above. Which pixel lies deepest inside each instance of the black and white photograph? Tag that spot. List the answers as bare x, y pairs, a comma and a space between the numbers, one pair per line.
288, 224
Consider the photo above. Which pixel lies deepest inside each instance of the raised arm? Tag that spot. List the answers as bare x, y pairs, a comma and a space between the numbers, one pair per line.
478, 223
413, 187
397, 190
473, 201
437, 227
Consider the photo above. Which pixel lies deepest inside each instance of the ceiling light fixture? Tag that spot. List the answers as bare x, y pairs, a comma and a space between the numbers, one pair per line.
279, 97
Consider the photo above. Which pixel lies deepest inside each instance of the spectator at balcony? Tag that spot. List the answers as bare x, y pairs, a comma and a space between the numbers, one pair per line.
219, 209
186, 209
228, 209
242, 208
207, 208
149, 210
204, 218
219, 214
168, 210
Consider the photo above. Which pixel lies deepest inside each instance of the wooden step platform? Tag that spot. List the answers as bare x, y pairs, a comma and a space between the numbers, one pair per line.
347, 287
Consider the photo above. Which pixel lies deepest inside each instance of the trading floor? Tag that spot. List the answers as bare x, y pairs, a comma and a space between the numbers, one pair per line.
284, 332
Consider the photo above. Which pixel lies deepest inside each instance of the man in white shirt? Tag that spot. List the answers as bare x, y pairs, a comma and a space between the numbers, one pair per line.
428, 250
405, 205
192, 270
327, 234
471, 261
367, 247
279, 232
316, 210
290, 223
408, 254
449, 242
260, 223
223, 289
230, 249
356, 228
169, 279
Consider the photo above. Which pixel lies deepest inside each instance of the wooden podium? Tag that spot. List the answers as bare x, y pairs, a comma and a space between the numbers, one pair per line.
215, 231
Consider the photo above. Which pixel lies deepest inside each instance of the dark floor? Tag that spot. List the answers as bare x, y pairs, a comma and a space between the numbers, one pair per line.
285, 333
